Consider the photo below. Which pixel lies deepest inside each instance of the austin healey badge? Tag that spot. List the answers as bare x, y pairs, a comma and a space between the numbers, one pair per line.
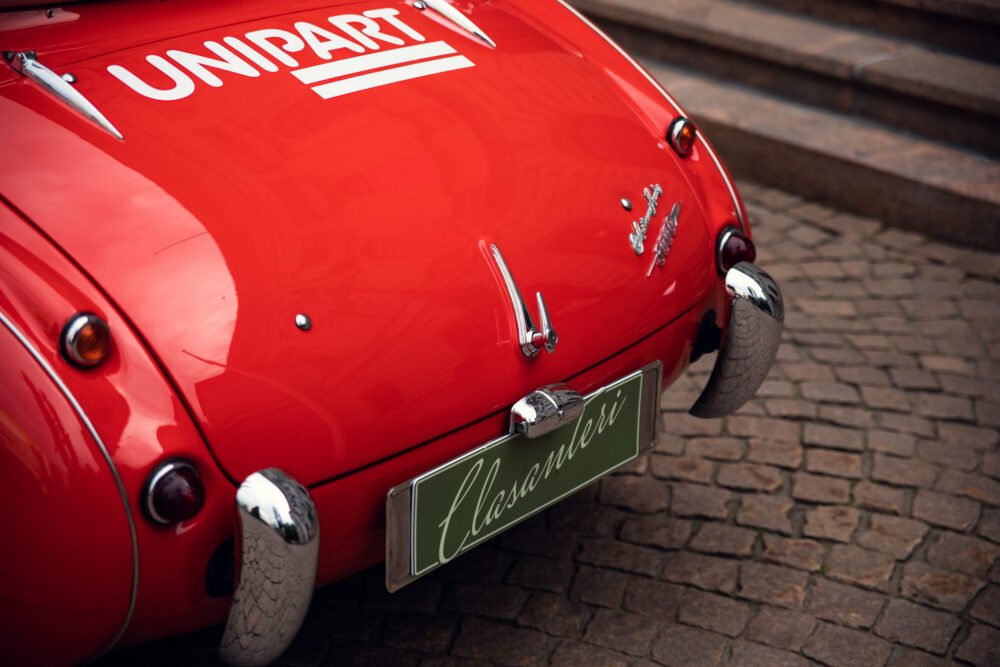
666, 238
637, 238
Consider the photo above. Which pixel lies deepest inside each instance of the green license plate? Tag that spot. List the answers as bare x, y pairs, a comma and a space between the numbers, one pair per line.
443, 513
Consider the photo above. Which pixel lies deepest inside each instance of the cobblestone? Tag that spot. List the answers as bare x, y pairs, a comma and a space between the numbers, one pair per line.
781, 628
963, 553
849, 515
844, 605
800, 554
775, 585
783, 454
749, 476
819, 489
680, 646
717, 538
714, 612
945, 510
869, 495
981, 647
843, 647
859, 566
833, 522
895, 536
624, 632
768, 512
914, 625
939, 588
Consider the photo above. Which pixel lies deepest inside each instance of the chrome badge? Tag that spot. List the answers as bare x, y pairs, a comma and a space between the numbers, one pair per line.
666, 238
640, 227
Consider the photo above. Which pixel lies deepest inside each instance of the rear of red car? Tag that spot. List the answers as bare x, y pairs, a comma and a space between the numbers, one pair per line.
320, 237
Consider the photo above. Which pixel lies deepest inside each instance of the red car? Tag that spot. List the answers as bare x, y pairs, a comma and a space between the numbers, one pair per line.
280, 289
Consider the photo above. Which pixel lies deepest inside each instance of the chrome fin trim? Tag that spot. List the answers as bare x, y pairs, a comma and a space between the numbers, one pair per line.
531, 338
26, 64
756, 320
105, 454
448, 12
673, 103
278, 552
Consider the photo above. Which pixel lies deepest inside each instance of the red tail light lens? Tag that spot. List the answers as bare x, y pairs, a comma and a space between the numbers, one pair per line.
735, 247
174, 493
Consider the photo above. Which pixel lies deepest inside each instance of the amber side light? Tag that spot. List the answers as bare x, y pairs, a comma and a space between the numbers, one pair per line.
682, 134
86, 340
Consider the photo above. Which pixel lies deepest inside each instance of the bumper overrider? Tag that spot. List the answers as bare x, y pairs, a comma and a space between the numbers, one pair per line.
278, 527
278, 551
756, 319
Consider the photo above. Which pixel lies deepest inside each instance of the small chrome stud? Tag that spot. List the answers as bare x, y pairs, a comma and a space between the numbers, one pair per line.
303, 322
68, 77
419, 4
626, 204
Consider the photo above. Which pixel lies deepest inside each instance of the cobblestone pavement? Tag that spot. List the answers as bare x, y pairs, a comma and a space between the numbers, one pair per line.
849, 515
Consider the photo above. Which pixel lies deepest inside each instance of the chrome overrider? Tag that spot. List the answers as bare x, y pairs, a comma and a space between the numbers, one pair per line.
277, 552
756, 319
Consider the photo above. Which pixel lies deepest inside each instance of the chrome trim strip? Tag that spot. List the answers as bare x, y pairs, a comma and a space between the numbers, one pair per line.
673, 103
458, 18
26, 64
278, 557
756, 321
107, 458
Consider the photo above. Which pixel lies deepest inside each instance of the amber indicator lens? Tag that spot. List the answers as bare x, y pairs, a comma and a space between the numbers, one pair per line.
735, 247
86, 340
681, 135
174, 493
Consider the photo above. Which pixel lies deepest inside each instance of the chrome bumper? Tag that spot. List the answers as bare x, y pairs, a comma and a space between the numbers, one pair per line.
278, 549
756, 319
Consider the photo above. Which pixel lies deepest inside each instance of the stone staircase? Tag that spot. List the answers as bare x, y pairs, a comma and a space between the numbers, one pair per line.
887, 108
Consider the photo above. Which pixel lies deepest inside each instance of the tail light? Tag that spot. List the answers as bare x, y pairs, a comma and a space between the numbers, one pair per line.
681, 135
85, 340
174, 493
734, 247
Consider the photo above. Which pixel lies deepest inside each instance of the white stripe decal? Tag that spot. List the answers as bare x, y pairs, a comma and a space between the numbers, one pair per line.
407, 54
385, 77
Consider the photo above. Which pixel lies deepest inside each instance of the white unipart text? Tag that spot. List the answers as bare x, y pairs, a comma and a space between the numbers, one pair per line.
375, 48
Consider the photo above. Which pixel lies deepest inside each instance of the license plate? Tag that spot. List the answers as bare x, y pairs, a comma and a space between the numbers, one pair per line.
441, 514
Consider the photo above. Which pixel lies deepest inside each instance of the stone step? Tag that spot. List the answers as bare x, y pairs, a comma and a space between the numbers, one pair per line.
943, 192
941, 96
965, 27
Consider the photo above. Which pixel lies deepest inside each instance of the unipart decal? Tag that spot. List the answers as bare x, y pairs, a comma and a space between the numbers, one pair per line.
269, 50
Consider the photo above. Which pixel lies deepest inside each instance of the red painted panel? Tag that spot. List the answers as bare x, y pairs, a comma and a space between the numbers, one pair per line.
67, 555
225, 213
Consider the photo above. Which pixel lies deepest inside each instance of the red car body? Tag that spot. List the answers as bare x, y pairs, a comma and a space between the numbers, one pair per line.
223, 214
